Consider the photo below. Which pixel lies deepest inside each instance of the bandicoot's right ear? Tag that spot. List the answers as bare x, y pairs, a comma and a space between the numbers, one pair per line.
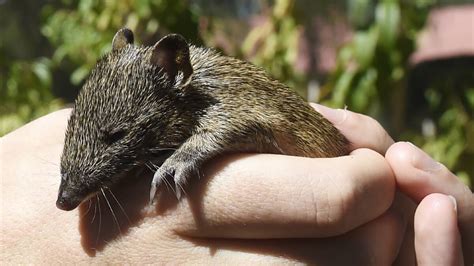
171, 53
123, 37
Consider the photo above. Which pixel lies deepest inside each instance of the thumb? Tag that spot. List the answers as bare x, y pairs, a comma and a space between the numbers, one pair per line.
437, 238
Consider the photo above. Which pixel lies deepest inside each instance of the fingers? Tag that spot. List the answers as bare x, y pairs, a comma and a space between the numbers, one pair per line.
437, 239
387, 229
362, 131
418, 176
260, 196
362, 246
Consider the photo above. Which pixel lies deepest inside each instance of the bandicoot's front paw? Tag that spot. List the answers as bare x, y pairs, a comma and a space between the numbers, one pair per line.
176, 172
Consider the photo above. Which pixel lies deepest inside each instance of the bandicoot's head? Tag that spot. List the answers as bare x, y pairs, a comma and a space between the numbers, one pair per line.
118, 113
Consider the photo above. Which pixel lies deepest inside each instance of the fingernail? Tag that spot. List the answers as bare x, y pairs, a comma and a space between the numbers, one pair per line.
423, 161
453, 199
336, 116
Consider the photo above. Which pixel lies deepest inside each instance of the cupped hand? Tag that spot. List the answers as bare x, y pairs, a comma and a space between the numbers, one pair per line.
244, 208
444, 218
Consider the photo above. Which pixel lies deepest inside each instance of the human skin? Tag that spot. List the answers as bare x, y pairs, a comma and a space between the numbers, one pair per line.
444, 216
246, 209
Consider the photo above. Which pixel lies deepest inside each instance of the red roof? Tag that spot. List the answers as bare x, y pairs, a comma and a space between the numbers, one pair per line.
449, 32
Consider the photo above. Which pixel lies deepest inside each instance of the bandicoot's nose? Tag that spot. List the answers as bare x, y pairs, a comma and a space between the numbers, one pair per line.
65, 203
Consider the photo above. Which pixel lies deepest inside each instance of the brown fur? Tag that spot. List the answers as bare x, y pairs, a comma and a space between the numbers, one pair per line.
183, 103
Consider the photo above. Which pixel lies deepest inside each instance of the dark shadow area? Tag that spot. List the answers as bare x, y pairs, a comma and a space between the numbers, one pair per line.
434, 88
452, 75
98, 225
104, 219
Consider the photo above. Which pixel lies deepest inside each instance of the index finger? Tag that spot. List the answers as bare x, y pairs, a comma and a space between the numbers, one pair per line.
260, 196
362, 131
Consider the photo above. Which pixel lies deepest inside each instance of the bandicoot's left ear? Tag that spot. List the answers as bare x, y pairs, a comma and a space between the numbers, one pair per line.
123, 37
171, 53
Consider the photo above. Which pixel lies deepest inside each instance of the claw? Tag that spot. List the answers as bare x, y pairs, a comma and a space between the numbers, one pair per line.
179, 178
178, 193
154, 185
152, 194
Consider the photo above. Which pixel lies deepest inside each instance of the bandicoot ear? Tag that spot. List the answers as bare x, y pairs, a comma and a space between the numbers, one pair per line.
121, 39
171, 53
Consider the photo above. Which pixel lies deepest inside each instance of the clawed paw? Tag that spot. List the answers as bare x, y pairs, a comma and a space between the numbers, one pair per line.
169, 173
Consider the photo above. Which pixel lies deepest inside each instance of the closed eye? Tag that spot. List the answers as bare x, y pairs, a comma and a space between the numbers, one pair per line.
112, 136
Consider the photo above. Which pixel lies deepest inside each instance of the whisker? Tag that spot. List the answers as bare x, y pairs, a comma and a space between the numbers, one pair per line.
88, 209
164, 149
182, 189
199, 174
112, 211
154, 167
167, 184
45, 160
43, 173
149, 167
120, 205
100, 220
47, 171
95, 211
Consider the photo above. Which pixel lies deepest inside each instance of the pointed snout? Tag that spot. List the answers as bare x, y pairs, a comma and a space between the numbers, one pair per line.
68, 198
65, 202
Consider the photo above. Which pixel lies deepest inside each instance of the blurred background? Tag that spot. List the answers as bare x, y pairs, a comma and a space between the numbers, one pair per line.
407, 63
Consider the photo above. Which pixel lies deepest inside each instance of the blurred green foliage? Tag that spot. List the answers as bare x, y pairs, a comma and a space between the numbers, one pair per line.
79, 32
26, 93
372, 73
83, 30
274, 44
25, 73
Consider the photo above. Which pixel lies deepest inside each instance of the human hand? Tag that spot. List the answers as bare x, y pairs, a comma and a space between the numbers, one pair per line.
245, 209
444, 219
445, 213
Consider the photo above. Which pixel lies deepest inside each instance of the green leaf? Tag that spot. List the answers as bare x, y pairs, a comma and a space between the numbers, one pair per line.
341, 88
364, 46
364, 91
360, 11
387, 16
464, 176
85, 5
42, 70
470, 97
79, 75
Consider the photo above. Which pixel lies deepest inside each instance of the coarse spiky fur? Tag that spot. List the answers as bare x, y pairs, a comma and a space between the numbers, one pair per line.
138, 106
